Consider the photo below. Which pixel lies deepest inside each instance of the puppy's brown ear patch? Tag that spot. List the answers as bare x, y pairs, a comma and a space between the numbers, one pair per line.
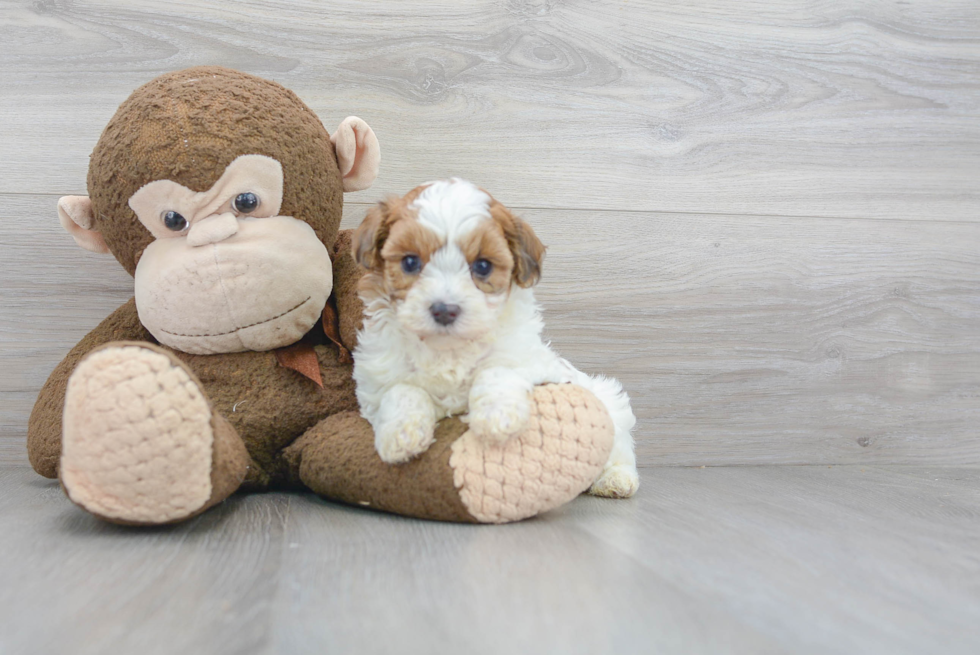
369, 237
524, 244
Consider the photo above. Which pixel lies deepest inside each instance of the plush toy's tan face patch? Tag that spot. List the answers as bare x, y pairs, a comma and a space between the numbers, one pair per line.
251, 186
226, 273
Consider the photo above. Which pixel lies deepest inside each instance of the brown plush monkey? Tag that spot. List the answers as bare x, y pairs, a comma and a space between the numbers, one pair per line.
222, 194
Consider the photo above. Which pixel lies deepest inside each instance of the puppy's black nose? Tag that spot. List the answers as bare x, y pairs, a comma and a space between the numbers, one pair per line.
444, 314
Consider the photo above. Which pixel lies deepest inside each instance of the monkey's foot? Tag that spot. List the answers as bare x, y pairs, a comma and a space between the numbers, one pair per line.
557, 456
137, 437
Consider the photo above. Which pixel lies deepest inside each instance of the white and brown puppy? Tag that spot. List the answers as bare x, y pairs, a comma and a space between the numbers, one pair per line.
451, 326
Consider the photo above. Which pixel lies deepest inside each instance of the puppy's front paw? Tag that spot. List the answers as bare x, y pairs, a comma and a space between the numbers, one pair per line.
498, 417
616, 481
398, 441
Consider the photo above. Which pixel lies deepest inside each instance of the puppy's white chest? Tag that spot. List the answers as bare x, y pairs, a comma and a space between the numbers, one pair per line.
447, 375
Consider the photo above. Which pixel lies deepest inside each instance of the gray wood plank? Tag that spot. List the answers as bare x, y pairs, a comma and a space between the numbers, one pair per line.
740, 559
540, 586
775, 340
70, 583
742, 340
854, 109
15, 409
842, 559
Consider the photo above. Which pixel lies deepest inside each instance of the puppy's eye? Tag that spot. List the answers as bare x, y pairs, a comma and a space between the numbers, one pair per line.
411, 264
174, 221
482, 268
246, 202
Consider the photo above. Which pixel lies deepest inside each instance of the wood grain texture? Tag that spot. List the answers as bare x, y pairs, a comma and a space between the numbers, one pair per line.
742, 340
76, 584
542, 586
749, 341
763, 217
742, 559
808, 108
821, 559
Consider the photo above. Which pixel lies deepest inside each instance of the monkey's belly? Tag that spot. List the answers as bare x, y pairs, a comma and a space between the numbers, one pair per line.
268, 405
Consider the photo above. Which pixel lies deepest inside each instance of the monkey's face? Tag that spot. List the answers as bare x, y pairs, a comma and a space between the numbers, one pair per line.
226, 272
188, 183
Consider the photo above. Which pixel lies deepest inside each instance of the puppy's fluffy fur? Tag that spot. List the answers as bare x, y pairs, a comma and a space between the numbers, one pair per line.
451, 326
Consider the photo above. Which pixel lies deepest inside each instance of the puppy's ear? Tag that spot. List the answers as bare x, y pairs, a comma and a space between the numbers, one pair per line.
525, 247
369, 237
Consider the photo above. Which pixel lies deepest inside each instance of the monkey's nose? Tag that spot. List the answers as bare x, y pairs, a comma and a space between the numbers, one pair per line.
444, 314
212, 229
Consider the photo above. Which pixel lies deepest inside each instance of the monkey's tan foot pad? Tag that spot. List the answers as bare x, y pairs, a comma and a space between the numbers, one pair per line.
563, 449
137, 437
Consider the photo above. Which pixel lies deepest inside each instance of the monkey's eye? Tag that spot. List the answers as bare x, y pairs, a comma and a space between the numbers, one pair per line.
174, 221
411, 264
482, 268
246, 202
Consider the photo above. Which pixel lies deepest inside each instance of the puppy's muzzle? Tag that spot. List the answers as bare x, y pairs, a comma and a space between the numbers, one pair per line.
444, 314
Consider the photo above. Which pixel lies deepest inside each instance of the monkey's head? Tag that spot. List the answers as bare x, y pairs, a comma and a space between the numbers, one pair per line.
221, 193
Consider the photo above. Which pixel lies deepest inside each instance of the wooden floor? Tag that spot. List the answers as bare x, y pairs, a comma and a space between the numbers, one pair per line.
764, 217
792, 559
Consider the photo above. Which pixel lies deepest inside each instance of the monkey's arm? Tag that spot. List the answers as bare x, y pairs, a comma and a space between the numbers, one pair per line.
346, 274
44, 426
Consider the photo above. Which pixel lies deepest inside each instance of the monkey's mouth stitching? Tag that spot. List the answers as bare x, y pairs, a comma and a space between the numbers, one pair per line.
221, 334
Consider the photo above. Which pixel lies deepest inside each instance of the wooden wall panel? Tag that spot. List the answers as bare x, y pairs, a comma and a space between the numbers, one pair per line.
854, 109
742, 340
763, 216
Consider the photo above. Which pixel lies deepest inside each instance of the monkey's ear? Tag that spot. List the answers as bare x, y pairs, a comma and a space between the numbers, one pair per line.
75, 214
369, 237
358, 153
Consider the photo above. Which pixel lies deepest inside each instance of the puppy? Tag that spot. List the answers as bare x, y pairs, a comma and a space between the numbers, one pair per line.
451, 326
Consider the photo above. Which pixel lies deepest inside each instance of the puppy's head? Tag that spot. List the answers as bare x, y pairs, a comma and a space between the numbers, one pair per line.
445, 257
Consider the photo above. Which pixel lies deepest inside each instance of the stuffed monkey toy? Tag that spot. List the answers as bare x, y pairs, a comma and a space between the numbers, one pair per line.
230, 369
